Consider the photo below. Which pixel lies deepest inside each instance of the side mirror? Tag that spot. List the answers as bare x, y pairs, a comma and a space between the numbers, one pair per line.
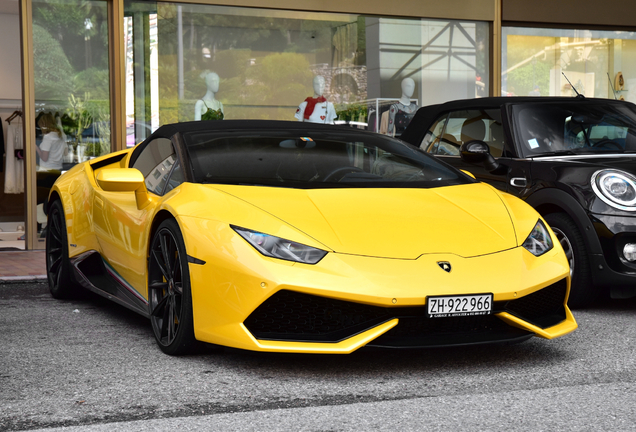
124, 180
478, 152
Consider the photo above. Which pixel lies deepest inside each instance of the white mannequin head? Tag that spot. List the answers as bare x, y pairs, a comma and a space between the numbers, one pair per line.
212, 82
408, 87
319, 85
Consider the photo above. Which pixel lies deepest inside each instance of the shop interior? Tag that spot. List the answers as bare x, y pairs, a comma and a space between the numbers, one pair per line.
260, 63
12, 197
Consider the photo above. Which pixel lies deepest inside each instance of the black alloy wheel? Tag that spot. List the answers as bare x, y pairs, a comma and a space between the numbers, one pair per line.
58, 266
582, 290
170, 299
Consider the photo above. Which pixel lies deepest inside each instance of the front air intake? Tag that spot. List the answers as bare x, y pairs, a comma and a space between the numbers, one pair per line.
290, 315
543, 308
293, 316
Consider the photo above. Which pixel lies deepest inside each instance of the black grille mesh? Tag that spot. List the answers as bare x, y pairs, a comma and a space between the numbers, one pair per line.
290, 315
414, 325
543, 308
421, 331
295, 316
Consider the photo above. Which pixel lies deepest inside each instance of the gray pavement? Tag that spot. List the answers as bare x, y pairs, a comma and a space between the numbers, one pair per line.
596, 407
87, 364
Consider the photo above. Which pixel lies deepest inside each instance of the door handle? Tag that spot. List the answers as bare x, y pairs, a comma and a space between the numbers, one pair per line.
519, 182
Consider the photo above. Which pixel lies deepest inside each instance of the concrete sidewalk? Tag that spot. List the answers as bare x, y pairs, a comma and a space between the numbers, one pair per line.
25, 266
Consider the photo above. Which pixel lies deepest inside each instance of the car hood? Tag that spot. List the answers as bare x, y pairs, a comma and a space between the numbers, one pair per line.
467, 220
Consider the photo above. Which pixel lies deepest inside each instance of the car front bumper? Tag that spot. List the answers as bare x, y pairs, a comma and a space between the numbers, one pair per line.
370, 301
611, 269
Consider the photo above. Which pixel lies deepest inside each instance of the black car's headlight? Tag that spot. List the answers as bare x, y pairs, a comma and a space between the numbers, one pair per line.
615, 188
277, 247
539, 240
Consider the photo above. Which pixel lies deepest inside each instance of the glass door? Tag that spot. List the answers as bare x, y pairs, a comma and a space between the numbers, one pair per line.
71, 91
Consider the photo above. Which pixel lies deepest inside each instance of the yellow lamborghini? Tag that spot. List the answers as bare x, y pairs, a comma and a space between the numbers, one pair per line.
296, 237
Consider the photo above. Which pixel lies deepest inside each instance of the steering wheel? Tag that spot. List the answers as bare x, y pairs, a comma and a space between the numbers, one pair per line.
605, 142
342, 169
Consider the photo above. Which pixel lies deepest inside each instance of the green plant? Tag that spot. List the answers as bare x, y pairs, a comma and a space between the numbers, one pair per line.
102, 125
78, 118
354, 112
92, 149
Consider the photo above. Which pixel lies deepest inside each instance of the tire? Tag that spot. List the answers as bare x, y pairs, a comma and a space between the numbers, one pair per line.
582, 291
169, 294
58, 266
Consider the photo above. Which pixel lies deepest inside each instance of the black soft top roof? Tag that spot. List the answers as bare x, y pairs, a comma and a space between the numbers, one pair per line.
427, 114
285, 127
166, 131
501, 100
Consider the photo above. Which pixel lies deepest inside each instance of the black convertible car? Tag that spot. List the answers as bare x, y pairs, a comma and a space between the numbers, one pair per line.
573, 159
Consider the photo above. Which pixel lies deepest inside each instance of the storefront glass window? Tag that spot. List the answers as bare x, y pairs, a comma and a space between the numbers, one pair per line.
540, 61
195, 62
71, 81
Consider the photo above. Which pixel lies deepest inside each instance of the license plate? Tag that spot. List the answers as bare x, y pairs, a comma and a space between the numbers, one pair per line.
464, 305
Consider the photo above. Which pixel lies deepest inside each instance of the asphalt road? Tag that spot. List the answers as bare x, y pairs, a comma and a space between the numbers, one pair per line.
88, 364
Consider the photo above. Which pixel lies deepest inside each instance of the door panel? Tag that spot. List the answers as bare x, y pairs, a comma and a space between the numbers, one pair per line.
122, 231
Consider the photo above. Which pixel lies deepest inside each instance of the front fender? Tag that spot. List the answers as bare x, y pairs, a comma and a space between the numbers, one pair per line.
549, 200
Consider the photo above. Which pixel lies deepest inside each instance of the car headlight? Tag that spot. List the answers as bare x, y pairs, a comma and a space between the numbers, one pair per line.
539, 240
277, 247
615, 188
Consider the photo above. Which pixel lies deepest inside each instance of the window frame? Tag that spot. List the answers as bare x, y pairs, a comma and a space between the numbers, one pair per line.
147, 146
492, 114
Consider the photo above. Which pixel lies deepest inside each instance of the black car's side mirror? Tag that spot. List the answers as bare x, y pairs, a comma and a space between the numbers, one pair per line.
478, 152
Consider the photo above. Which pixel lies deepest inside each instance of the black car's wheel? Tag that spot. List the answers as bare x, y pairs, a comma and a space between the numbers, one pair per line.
170, 298
582, 292
58, 266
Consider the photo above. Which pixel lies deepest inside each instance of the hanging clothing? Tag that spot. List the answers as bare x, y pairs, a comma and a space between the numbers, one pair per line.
384, 123
371, 120
14, 166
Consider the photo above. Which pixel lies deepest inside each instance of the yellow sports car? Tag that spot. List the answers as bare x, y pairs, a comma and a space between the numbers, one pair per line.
297, 237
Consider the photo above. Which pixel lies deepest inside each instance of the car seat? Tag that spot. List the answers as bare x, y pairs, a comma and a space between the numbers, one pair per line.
473, 129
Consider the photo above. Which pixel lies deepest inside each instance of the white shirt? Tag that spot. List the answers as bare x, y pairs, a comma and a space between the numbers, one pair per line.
14, 168
324, 112
52, 143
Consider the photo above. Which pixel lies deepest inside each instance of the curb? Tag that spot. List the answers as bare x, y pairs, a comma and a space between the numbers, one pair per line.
23, 279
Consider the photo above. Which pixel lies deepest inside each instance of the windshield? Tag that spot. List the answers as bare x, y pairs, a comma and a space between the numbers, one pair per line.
314, 159
575, 127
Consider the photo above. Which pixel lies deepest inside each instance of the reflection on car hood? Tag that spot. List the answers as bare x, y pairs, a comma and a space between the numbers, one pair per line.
467, 220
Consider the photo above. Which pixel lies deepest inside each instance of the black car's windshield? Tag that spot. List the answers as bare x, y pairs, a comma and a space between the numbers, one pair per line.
315, 159
574, 127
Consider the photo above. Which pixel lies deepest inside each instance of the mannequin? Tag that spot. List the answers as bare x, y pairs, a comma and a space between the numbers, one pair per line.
317, 109
401, 113
204, 106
